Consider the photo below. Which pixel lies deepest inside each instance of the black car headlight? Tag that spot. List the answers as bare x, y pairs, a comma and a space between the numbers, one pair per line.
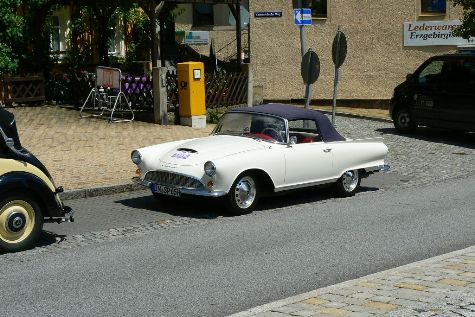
136, 157
210, 168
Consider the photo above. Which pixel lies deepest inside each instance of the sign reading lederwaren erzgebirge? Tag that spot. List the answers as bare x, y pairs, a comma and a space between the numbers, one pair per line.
432, 33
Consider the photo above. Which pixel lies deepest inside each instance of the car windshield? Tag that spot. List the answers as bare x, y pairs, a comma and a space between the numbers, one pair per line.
253, 125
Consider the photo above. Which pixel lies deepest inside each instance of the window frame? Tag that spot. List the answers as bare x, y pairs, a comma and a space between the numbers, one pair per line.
320, 16
196, 14
55, 34
112, 42
432, 12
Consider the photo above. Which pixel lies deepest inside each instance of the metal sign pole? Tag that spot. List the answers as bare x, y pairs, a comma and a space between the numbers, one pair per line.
302, 33
335, 83
335, 89
339, 51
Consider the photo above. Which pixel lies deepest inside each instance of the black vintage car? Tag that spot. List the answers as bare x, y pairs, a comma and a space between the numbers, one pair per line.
28, 196
440, 93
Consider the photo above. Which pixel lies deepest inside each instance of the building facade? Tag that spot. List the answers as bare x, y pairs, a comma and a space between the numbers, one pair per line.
386, 39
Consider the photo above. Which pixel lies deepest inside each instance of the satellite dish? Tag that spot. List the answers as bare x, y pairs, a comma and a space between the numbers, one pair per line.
244, 17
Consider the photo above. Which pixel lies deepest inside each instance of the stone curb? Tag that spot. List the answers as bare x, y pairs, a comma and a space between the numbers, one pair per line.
100, 191
316, 293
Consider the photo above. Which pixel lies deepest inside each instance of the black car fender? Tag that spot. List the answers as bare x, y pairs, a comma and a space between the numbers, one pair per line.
30, 184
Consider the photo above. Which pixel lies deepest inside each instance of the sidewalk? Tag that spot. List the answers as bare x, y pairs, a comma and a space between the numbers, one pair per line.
440, 286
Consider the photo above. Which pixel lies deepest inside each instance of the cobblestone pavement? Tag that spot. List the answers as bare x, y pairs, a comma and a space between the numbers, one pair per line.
440, 286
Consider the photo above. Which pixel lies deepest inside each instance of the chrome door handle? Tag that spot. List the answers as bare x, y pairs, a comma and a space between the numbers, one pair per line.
327, 150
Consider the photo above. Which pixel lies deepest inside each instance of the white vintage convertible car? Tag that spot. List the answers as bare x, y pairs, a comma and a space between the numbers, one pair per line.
258, 151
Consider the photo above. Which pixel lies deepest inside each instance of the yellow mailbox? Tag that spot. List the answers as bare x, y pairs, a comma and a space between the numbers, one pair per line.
191, 94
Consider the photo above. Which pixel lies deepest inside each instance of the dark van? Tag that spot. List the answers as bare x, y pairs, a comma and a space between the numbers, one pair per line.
440, 93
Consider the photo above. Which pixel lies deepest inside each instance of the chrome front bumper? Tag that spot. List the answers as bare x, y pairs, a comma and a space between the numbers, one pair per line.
184, 191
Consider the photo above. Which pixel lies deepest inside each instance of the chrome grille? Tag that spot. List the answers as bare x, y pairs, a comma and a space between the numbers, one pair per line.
172, 179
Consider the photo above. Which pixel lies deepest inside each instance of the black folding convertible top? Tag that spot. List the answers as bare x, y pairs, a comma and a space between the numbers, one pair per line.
327, 130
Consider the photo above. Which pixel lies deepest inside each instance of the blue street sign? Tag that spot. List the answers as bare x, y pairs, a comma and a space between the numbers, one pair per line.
303, 16
271, 14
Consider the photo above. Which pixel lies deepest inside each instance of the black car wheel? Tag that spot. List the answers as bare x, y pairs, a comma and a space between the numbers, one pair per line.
244, 194
21, 222
403, 121
349, 183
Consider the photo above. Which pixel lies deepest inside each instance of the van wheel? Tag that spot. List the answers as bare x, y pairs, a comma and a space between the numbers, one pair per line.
403, 121
21, 222
243, 196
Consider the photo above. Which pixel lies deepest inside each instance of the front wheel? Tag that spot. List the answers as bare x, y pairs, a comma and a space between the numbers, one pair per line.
403, 121
243, 196
21, 222
349, 183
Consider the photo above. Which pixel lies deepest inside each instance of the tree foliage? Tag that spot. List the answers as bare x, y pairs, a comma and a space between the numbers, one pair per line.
25, 31
467, 29
24, 35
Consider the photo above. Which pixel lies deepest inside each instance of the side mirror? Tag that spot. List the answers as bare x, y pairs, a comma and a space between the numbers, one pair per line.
410, 78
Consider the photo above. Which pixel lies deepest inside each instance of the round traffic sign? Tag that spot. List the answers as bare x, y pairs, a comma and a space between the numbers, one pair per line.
310, 67
339, 49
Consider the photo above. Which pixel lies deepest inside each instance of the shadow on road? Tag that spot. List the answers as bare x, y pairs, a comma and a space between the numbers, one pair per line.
450, 137
211, 208
192, 207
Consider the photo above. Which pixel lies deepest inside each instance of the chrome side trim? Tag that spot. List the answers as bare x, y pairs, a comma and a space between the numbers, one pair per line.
327, 181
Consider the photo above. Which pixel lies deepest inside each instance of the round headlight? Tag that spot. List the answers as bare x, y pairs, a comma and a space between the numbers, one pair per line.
136, 157
210, 168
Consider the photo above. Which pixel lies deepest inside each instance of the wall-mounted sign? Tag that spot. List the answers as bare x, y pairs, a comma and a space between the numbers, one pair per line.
192, 37
429, 33
271, 14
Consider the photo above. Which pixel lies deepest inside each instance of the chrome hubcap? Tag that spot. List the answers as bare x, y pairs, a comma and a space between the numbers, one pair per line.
350, 180
245, 192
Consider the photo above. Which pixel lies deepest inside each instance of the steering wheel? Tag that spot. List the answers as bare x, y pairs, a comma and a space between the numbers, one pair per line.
273, 133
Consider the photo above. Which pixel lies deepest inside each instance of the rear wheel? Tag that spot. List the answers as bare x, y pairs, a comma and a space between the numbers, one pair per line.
349, 183
244, 194
21, 222
403, 121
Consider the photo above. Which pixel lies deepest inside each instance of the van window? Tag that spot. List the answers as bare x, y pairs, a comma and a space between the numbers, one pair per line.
431, 72
470, 69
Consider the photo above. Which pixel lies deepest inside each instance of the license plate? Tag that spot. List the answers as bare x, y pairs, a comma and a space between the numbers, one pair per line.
166, 190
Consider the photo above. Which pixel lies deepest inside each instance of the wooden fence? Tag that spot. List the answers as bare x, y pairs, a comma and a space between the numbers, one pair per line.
226, 89
18, 89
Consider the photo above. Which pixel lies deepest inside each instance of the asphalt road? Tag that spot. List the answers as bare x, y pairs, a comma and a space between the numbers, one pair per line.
219, 266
